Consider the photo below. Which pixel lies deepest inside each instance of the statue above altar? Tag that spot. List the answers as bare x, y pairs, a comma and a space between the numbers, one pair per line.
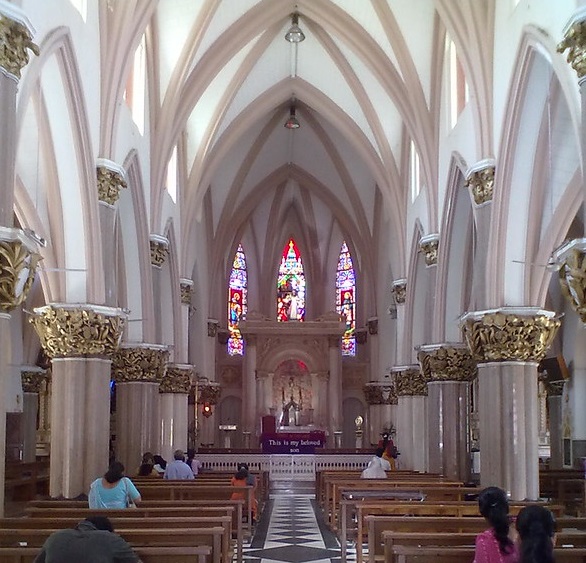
291, 411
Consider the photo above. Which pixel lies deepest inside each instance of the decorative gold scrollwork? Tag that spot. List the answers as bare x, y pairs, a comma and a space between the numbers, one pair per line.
15, 41
447, 363
142, 363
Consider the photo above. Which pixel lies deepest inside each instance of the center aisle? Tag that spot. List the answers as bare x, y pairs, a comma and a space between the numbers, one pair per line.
292, 530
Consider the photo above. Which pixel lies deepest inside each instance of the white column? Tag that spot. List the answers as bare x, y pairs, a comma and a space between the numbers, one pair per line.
334, 388
31, 378
555, 405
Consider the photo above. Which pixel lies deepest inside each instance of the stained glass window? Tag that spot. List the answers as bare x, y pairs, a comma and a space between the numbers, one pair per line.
237, 302
346, 299
291, 285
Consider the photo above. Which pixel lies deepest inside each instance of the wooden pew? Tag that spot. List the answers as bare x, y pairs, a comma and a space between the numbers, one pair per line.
407, 554
121, 524
24, 480
570, 493
549, 480
159, 537
156, 510
181, 554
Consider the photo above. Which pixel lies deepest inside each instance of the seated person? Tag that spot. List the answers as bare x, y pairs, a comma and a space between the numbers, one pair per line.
385, 464
240, 479
92, 541
160, 464
113, 490
178, 469
374, 470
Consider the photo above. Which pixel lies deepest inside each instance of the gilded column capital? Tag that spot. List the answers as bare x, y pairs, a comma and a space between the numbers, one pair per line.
446, 362
208, 392
429, 245
144, 363
186, 287
480, 181
159, 250
575, 42
18, 264
409, 381
176, 379
399, 291
570, 260
111, 179
517, 334
67, 330
31, 378
15, 42
380, 393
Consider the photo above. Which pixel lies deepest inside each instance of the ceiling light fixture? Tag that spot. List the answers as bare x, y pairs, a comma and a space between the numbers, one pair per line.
292, 122
295, 35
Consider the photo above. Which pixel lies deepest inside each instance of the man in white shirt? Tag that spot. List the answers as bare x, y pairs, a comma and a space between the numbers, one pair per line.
178, 469
385, 464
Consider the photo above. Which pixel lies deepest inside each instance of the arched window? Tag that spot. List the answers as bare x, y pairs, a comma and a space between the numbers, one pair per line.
237, 302
346, 299
291, 285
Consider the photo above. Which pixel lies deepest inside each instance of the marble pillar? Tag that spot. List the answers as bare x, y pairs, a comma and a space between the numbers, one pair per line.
263, 393
249, 422
209, 393
381, 399
373, 346
182, 347
159, 247
44, 425
399, 292
319, 384
334, 389
448, 369
79, 339
412, 436
111, 178
138, 370
173, 395
31, 377
508, 344
554, 402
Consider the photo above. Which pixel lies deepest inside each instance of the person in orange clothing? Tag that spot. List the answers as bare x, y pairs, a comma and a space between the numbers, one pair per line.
390, 452
240, 479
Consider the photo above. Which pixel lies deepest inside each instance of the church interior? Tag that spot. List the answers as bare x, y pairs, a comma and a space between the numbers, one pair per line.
237, 225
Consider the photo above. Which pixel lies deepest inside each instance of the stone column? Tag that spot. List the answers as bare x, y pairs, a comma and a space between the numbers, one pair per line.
319, 383
182, 348
215, 337
480, 182
138, 370
381, 399
80, 339
263, 394
448, 369
397, 312
174, 391
508, 343
334, 388
16, 34
412, 435
208, 393
555, 392
159, 246
111, 178
373, 346
250, 416
31, 377
44, 429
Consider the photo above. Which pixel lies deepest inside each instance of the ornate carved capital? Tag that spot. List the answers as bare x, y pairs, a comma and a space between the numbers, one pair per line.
186, 290
429, 245
110, 182
509, 334
446, 362
399, 291
575, 42
209, 392
15, 42
570, 259
18, 264
143, 363
380, 393
176, 379
213, 328
409, 381
79, 330
159, 250
480, 180
31, 378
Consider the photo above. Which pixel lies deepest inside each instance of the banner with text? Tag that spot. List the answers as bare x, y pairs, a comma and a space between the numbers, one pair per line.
291, 442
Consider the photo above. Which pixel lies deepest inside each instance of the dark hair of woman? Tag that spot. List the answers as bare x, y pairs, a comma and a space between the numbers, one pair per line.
145, 469
160, 461
243, 465
494, 506
190, 456
241, 474
536, 527
115, 472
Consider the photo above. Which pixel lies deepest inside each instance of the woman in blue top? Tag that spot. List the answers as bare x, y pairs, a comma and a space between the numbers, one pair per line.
113, 490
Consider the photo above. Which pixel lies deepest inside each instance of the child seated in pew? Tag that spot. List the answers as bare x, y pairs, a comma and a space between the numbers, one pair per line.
240, 479
498, 543
92, 541
536, 527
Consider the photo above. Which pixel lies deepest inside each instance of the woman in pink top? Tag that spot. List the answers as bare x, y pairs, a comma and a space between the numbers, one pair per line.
497, 544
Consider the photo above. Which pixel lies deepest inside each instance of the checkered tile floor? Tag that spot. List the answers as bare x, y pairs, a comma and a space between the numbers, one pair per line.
292, 530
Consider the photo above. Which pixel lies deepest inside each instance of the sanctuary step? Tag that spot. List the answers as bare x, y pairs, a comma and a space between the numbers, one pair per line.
285, 487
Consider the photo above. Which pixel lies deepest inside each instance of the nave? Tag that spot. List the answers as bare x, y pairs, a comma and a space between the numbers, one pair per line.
292, 529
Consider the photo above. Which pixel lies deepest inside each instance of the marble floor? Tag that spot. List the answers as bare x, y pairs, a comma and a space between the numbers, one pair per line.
292, 530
